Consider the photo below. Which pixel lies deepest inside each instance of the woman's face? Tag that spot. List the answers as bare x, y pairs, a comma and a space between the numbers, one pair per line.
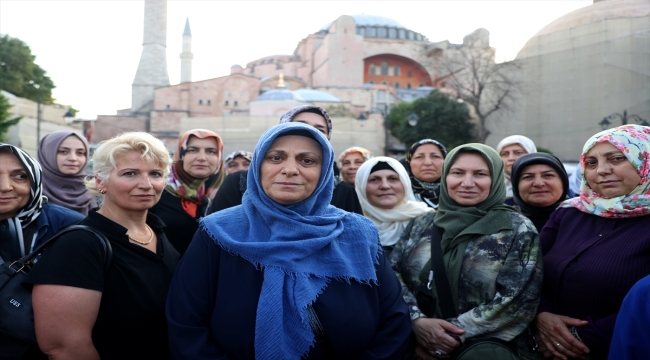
239, 163
15, 188
426, 163
384, 189
509, 154
71, 156
540, 185
201, 157
291, 169
469, 180
133, 185
608, 172
315, 120
350, 165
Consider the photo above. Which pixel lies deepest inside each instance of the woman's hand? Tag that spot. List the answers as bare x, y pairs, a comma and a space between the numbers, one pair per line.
556, 338
432, 338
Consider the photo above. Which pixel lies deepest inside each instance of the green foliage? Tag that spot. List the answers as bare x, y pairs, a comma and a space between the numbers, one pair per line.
18, 72
440, 118
5, 121
544, 150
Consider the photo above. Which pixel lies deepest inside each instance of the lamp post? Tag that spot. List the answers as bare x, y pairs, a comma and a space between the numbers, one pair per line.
605, 122
412, 119
38, 112
361, 119
68, 117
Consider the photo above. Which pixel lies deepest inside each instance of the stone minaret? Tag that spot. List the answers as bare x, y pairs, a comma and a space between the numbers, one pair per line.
186, 55
152, 70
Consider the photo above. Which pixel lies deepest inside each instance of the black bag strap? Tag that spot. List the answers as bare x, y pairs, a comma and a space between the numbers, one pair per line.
106, 245
319, 334
447, 307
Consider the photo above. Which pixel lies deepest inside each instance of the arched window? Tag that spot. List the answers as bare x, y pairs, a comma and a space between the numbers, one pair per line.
382, 32
384, 83
226, 103
372, 69
396, 70
209, 102
408, 85
384, 68
409, 73
167, 107
392, 33
234, 103
396, 85
371, 82
200, 102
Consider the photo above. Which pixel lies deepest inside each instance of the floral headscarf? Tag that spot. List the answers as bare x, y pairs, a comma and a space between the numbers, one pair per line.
179, 183
634, 142
289, 115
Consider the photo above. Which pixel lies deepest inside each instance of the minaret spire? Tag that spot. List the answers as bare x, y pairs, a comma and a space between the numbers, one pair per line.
186, 55
152, 70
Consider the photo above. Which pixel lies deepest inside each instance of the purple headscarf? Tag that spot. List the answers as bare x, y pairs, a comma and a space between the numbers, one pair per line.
66, 190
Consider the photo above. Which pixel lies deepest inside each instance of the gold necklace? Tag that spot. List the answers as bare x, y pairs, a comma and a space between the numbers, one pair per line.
143, 242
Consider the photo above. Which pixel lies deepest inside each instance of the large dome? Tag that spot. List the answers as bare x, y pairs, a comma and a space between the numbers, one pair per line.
379, 27
599, 11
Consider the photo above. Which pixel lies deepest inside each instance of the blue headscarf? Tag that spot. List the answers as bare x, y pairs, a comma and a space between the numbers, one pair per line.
299, 248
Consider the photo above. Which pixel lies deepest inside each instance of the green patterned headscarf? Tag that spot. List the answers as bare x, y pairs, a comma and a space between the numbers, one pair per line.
459, 222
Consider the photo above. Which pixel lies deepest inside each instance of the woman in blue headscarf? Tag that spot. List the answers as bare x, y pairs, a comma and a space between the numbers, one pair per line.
257, 277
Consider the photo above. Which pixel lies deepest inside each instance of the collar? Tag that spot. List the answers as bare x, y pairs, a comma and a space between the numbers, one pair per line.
111, 228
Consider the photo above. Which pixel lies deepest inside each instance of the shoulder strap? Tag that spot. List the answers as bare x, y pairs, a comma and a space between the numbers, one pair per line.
440, 275
319, 334
106, 245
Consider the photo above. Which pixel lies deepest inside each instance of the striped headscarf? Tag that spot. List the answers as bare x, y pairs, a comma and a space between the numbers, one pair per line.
32, 210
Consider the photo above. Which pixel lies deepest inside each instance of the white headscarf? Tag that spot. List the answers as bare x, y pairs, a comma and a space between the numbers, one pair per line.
526, 143
391, 223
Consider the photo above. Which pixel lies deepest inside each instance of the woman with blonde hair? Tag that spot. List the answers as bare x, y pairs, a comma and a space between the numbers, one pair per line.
350, 160
82, 311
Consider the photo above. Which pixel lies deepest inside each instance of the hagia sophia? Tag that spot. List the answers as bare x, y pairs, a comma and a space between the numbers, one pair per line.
355, 66
585, 71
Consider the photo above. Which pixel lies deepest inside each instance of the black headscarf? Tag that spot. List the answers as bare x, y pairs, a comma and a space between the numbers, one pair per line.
428, 192
538, 215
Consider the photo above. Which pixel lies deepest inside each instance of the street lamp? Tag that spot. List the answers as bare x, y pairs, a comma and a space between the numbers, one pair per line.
624, 118
38, 112
412, 119
68, 117
361, 119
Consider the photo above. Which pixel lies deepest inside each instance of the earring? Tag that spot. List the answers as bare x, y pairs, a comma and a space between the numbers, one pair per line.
102, 191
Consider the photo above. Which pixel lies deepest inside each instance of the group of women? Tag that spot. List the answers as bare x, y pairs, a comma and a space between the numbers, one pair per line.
440, 259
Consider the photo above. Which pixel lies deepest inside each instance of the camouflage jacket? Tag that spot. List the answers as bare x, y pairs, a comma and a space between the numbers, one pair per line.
499, 282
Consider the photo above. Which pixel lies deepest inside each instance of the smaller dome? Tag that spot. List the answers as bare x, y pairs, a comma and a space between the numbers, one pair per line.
316, 95
236, 66
280, 94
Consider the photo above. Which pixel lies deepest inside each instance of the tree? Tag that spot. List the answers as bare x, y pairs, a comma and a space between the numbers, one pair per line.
440, 117
19, 73
472, 73
5, 121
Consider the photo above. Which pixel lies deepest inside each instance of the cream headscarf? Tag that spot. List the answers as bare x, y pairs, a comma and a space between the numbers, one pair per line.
526, 143
391, 223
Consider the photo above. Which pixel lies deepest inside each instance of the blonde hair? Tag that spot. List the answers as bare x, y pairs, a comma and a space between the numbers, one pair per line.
151, 149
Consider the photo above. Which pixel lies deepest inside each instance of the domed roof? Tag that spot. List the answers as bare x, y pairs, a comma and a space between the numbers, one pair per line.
599, 11
370, 20
315, 95
280, 94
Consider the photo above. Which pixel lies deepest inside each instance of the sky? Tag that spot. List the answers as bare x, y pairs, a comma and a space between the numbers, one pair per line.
91, 48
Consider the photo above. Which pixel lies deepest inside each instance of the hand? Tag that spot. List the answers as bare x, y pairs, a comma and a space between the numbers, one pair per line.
431, 336
555, 336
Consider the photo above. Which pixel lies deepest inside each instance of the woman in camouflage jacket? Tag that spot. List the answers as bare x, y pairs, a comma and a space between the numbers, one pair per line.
491, 253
